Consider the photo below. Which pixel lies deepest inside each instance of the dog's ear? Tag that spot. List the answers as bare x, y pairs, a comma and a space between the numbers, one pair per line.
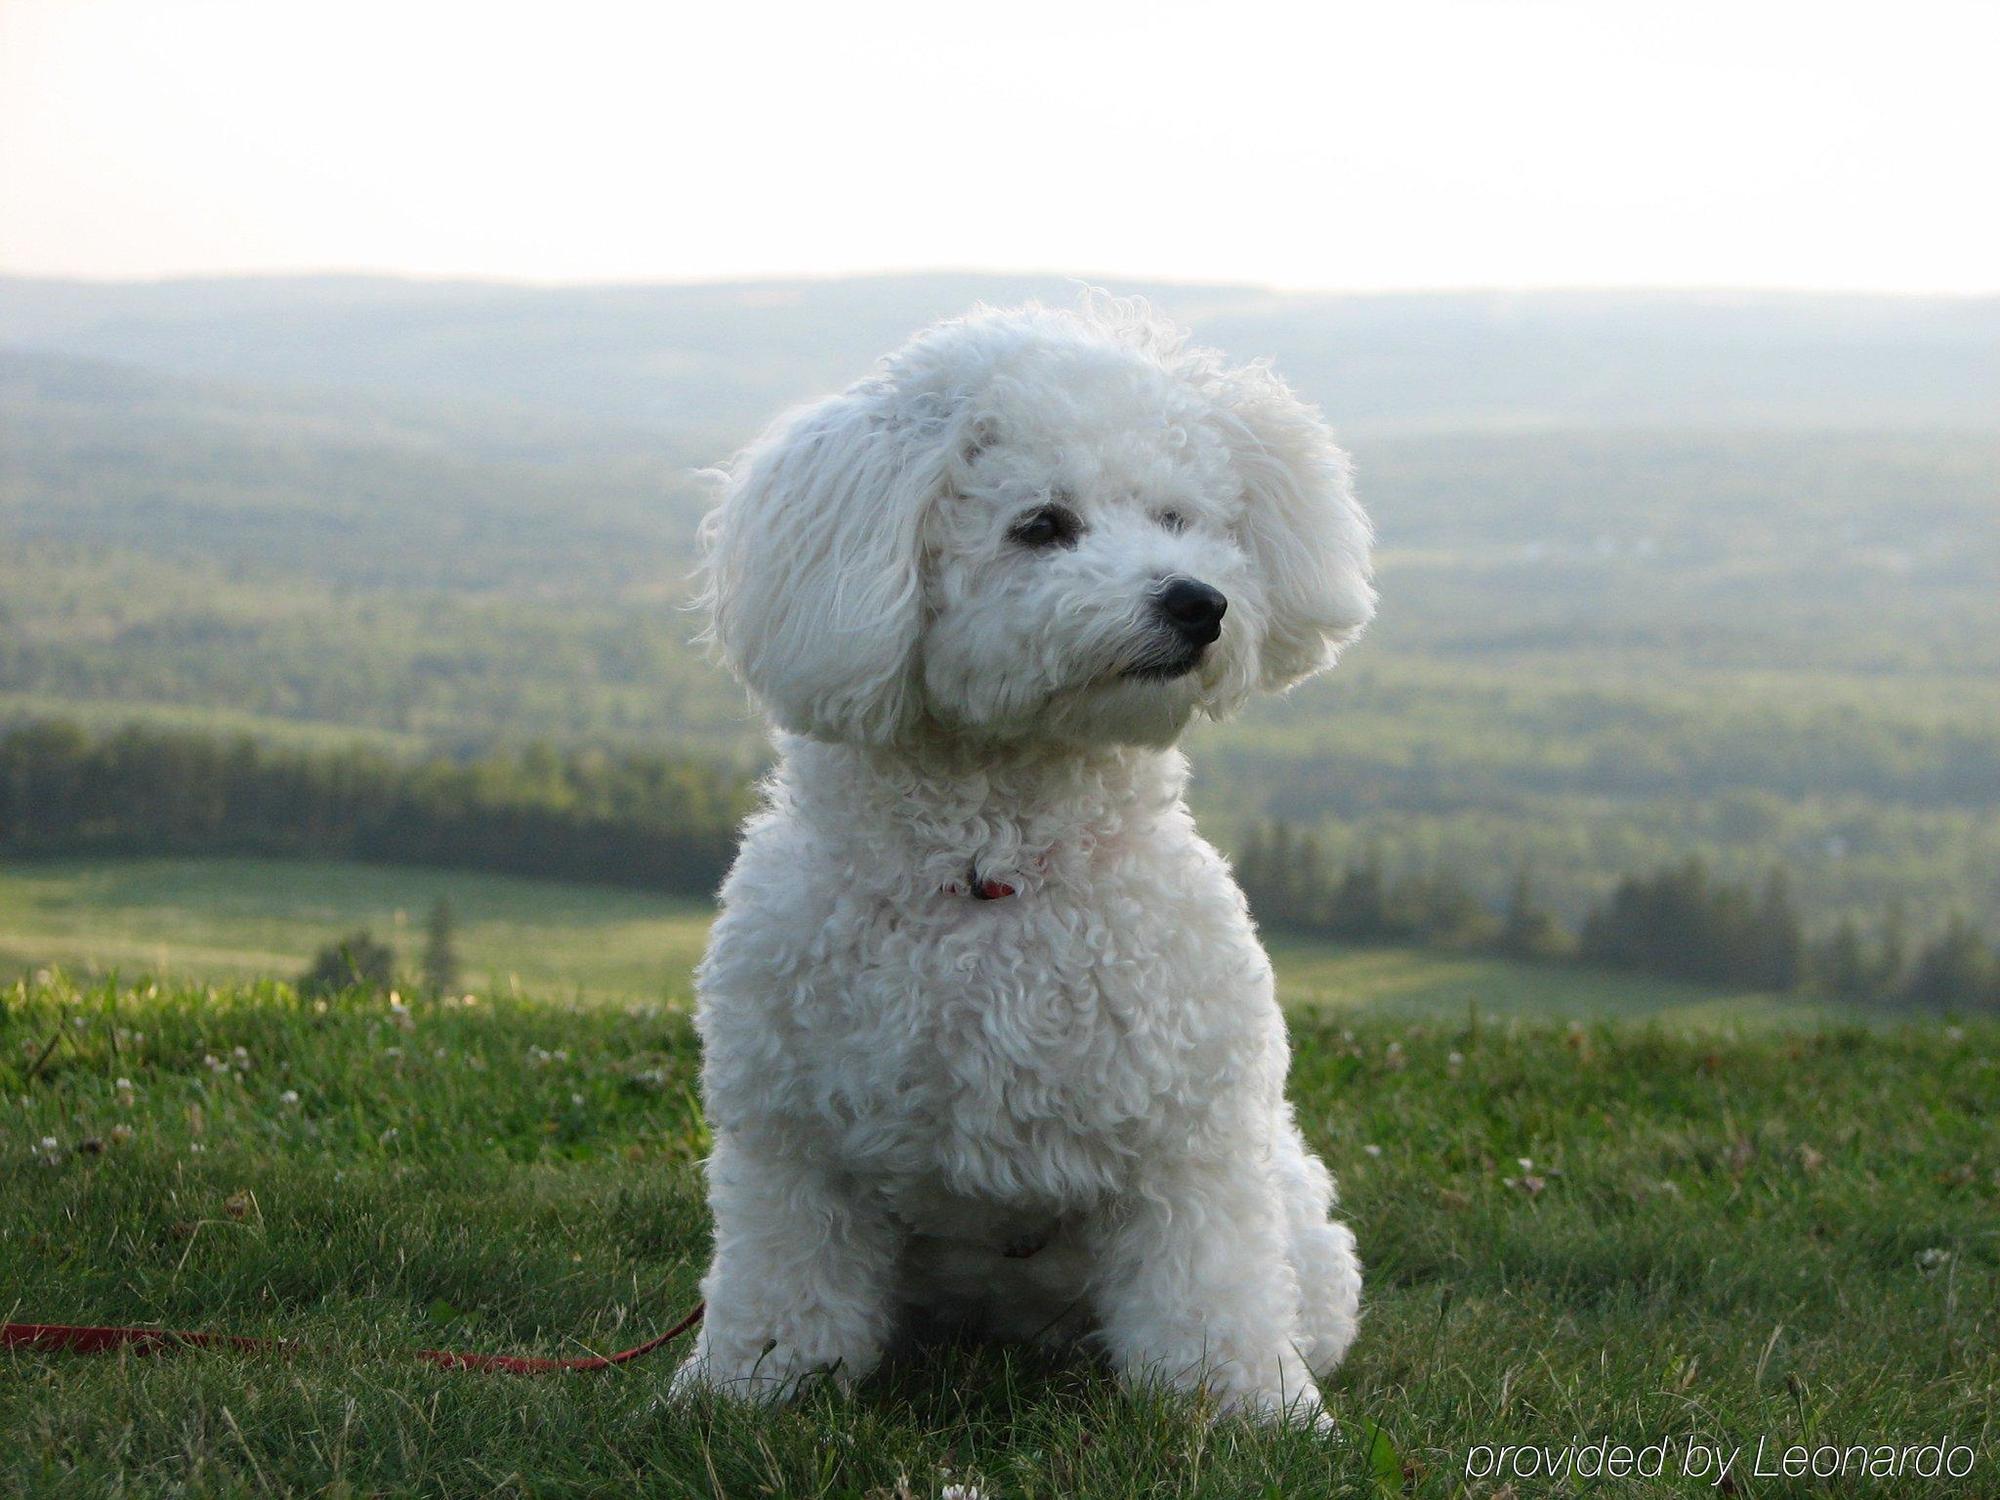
1301, 524
813, 584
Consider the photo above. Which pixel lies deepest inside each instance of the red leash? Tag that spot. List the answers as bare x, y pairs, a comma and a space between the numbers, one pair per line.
71, 1338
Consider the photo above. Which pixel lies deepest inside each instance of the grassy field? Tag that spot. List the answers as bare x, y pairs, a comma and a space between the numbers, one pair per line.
215, 920
1724, 1238
227, 920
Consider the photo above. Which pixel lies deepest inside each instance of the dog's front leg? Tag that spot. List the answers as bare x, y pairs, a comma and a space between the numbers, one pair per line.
799, 1286
1193, 1288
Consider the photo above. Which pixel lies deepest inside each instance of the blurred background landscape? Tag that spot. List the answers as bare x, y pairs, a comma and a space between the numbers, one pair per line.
358, 364
1666, 575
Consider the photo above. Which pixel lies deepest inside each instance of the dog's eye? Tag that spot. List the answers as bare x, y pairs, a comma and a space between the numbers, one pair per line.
1174, 521
1049, 526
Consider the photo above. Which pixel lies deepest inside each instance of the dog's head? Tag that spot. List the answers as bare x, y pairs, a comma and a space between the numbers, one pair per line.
1045, 524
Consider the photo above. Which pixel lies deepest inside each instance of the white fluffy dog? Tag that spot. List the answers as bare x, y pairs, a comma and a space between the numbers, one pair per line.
989, 1035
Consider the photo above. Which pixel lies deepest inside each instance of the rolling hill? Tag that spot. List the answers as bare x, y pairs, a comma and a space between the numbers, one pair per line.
1662, 573
703, 363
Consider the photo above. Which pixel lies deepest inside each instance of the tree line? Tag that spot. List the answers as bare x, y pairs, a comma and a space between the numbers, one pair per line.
666, 823
1679, 921
652, 822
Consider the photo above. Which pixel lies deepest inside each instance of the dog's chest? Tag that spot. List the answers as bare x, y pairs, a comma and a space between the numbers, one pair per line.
1026, 1050
1009, 1048
1030, 1050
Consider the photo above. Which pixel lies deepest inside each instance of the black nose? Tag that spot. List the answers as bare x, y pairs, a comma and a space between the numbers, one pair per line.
1195, 609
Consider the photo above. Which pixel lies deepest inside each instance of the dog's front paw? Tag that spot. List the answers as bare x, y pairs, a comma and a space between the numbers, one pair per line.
690, 1380
1300, 1406
1269, 1409
768, 1375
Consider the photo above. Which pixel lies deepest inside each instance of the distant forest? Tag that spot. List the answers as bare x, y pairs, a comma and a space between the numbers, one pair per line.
669, 825
651, 822
1677, 921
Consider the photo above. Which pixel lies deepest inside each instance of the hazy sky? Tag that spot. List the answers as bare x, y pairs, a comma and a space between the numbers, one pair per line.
1391, 143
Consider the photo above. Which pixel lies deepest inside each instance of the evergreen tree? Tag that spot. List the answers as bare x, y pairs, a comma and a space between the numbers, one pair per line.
1252, 863
440, 959
1678, 922
1447, 914
1953, 968
1529, 930
1779, 957
1891, 952
1840, 964
1361, 905
1278, 873
355, 962
1308, 885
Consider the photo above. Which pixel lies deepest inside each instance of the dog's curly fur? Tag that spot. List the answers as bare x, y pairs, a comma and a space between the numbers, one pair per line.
1061, 1111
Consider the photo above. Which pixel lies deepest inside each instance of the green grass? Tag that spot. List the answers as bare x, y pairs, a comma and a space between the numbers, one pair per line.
1416, 984
221, 920
216, 920
1788, 1235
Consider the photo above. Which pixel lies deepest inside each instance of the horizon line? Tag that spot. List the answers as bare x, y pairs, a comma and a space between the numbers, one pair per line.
1082, 279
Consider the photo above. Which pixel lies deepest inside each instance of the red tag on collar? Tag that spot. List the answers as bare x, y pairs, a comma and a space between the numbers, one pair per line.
978, 889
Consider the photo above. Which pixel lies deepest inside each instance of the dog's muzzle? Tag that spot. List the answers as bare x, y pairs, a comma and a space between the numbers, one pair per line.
1190, 614
1193, 608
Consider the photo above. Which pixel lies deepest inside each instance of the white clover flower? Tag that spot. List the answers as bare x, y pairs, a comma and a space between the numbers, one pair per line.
50, 1143
1933, 1259
290, 1096
123, 1085
1372, 1149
